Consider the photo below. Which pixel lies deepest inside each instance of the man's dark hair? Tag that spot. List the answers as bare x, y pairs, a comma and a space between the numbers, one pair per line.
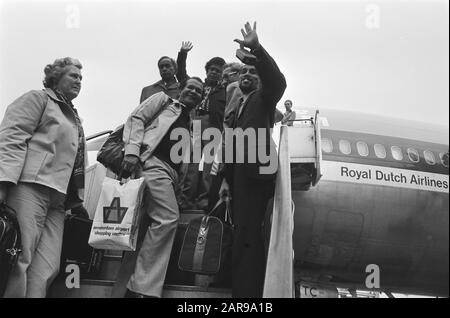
172, 61
214, 61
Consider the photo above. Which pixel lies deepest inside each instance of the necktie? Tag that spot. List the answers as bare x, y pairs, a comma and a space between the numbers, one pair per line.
238, 112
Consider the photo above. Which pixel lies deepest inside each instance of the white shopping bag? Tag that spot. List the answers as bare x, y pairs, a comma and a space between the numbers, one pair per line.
115, 225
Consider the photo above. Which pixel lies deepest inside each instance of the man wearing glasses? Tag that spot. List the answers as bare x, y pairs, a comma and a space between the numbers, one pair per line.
231, 82
231, 73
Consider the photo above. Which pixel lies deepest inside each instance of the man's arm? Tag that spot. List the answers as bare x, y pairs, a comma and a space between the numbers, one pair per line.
134, 129
272, 80
181, 61
293, 116
278, 116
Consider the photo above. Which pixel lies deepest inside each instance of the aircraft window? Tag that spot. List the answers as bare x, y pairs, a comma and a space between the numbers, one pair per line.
396, 153
413, 155
344, 147
363, 149
380, 151
429, 157
327, 145
444, 159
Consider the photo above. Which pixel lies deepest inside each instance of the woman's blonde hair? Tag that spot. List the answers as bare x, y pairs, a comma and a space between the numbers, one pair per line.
54, 72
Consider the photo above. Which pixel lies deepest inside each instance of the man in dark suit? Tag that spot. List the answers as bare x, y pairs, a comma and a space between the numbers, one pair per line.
168, 71
252, 184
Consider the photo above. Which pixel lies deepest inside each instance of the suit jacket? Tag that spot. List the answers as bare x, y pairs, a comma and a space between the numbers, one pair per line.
234, 93
172, 90
258, 111
38, 141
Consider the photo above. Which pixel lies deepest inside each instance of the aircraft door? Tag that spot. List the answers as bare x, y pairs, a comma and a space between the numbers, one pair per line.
305, 152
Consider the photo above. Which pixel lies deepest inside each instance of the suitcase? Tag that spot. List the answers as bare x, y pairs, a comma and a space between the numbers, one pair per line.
76, 250
9, 244
207, 242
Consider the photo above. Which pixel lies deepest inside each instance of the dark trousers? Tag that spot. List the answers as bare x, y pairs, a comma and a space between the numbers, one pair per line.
250, 198
195, 187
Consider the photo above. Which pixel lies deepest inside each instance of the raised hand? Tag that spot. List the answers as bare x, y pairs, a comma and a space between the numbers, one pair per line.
250, 37
186, 46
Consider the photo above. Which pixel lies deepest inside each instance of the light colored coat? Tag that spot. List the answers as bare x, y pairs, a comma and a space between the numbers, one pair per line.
38, 141
148, 124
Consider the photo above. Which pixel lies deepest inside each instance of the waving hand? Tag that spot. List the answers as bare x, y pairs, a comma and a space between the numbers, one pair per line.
250, 37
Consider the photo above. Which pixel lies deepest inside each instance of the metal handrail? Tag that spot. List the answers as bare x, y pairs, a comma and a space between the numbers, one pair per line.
106, 132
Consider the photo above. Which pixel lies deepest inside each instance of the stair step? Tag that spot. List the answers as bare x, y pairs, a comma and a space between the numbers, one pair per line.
88, 289
110, 267
181, 291
91, 288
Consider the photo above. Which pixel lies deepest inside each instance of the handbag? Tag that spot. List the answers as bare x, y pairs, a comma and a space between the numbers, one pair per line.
116, 220
10, 244
207, 241
75, 247
112, 151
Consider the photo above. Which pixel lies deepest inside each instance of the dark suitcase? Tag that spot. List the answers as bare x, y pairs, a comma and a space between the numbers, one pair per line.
9, 244
76, 250
207, 242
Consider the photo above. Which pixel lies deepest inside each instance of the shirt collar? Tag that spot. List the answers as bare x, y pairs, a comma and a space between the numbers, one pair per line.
52, 94
163, 84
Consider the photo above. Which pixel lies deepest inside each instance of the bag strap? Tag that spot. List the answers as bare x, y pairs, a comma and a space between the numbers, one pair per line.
227, 216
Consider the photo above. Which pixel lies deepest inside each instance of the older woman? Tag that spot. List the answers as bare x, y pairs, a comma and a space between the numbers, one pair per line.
42, 162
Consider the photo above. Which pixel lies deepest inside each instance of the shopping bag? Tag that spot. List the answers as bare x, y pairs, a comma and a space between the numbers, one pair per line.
115, 225
207, 241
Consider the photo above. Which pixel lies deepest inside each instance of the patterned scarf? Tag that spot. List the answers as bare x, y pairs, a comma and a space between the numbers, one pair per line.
203, 107
77, 177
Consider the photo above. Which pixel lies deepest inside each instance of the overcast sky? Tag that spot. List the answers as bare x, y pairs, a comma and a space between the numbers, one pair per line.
383, 57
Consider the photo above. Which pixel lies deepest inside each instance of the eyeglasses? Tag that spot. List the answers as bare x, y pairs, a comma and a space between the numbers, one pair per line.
248, 70
228, 75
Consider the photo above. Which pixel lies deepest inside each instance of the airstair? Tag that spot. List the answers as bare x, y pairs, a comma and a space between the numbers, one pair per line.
299, 147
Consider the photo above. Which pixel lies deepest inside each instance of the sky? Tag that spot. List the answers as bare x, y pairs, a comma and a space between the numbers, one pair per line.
376, 57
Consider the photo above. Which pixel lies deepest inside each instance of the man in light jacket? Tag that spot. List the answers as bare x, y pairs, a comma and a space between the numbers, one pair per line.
148, 153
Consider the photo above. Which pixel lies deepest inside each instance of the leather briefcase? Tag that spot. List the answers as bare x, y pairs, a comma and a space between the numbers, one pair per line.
10, 244
207, 241
76, 250
111, 153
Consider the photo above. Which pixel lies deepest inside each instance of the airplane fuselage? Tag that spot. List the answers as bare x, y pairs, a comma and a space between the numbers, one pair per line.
382, 200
